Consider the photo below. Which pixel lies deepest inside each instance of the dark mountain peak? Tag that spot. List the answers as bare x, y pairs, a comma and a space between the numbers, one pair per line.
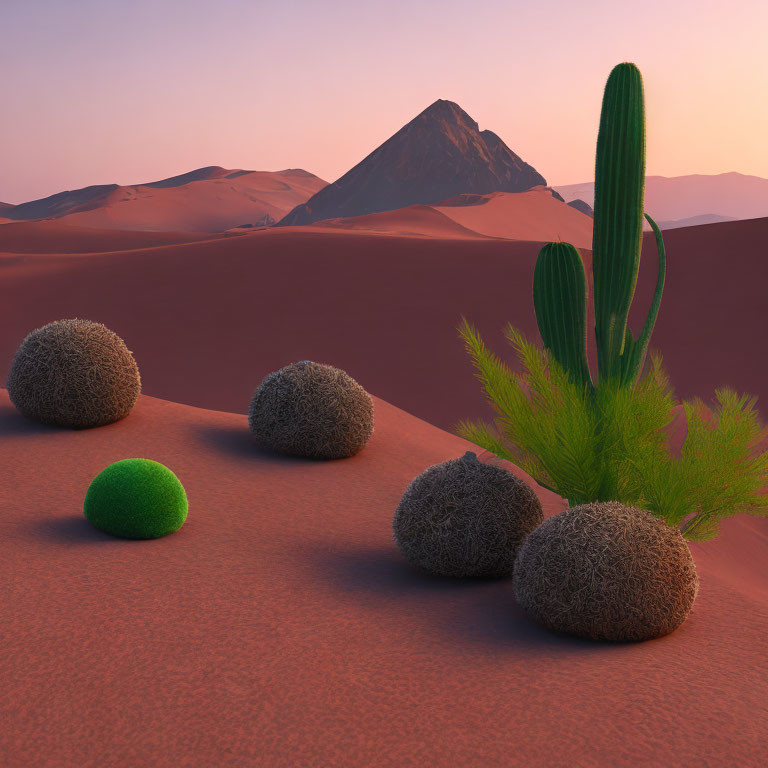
439, 154
443, 110
491, 139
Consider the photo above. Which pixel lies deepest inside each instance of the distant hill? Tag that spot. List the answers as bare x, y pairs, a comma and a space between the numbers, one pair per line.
676, 198
705, 218
439, 154
210, 199
580, 205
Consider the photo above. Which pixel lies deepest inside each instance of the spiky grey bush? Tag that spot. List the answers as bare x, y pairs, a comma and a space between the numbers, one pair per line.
465, 518
74, 373
606, 571
312, 410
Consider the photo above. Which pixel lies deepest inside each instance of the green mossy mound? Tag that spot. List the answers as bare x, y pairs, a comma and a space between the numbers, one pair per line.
465, 518
74, 373
312, 410
136, 499
606, 571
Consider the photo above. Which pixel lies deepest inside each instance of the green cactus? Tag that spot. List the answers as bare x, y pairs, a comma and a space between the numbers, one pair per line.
560, 303
618, 226
616, 245
633, 354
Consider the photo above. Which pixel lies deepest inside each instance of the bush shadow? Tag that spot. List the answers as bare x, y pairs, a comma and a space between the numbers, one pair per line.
13, 423
74, 529
493, 619
239, 443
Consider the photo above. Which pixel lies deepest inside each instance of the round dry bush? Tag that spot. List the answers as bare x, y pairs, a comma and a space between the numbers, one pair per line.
465, 518
606, 571
74, 373
312, 410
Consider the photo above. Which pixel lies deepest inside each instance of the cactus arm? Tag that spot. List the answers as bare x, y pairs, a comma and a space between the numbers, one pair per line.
633, 362
560, 303
618, 221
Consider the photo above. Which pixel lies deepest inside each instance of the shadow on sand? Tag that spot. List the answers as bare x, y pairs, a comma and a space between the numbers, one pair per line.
13, 423
491, 618
240, 443
70, 530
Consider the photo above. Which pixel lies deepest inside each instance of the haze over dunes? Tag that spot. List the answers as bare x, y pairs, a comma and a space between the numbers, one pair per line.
210, 199
438, 154
670, 199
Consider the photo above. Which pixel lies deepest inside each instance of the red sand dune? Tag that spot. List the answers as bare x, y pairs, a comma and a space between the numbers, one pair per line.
213, 201
416, 220
281, 625
207, 321
532, 215
54, 237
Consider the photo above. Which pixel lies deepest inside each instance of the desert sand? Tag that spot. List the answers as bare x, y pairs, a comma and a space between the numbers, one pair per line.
210, 199
208, 320
281, 625
413, 220
52, 236
531, 215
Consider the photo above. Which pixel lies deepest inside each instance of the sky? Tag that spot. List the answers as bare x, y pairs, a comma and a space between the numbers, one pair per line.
116, 91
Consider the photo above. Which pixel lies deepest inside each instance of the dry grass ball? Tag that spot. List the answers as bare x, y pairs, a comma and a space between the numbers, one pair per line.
312, 410
606, 571
74, 373
465, 518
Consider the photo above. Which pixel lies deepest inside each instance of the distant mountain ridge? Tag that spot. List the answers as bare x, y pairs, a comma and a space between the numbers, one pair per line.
695, 198
695, 221
439, 154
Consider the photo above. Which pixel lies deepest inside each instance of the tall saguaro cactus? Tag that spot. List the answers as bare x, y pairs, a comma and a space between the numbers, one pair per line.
618, 226
559, 285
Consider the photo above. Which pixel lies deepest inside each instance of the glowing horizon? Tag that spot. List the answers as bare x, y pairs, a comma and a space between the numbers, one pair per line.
106, 92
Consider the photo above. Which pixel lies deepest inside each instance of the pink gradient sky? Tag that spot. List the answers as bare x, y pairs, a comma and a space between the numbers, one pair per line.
103, 91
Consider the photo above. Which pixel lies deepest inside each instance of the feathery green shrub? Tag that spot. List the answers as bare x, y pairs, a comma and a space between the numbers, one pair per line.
609, 443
